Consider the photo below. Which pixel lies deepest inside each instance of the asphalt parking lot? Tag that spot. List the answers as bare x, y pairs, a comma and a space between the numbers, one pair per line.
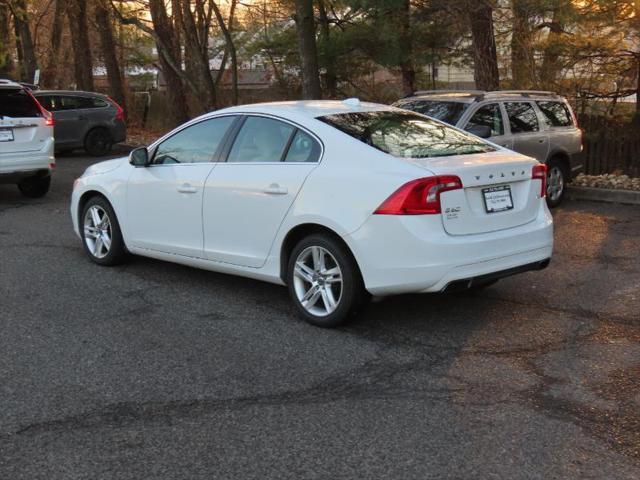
158, 371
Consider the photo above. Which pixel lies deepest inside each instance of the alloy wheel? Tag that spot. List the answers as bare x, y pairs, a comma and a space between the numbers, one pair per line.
97, 231
555, 183
317, 281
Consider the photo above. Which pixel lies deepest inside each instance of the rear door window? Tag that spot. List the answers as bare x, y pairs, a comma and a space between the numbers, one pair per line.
17, 103
261, 139
489, 116
522, 117
556, 114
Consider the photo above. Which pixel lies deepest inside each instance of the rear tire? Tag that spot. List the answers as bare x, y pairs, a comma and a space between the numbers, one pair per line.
324, 281
101, 234
35, 187
98, 142
557, 178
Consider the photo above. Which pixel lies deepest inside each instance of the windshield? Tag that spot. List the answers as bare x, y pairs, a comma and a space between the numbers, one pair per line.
17, 103
406, 134
448, 112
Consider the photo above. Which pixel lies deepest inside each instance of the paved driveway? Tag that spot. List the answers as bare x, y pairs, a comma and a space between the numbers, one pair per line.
158, 371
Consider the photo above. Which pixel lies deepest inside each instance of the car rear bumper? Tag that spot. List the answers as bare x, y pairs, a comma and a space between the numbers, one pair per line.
20, 165
118, 132
412, 254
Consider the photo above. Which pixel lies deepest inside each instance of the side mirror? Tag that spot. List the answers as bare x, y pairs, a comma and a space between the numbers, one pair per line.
482, 131
139, 157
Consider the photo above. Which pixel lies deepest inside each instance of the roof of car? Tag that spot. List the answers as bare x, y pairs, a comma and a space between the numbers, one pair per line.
308, 108
68, 92
471, 96
6, 83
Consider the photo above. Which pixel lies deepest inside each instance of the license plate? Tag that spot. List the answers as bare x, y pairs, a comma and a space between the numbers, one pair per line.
497, 199
6, 135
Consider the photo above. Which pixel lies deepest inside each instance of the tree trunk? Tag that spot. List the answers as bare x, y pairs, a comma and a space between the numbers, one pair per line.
26, 52
109, 55
328, 55
50, 73
83, 60
406, 63
551, 67
6, 61
230, 47
169, 61
522, 62
198, 60
306, 29
485, 58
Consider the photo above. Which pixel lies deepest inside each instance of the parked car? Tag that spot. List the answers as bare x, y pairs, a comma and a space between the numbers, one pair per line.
336, 200
91, 121
26, 140
541, 125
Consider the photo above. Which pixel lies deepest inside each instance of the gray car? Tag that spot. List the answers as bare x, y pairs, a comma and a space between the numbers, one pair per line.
91, 121
538, 124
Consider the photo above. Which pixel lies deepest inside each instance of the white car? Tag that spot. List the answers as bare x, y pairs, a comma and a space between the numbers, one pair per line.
26, 140
336, 200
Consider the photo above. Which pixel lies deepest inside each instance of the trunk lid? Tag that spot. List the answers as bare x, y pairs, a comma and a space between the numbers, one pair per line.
506, 178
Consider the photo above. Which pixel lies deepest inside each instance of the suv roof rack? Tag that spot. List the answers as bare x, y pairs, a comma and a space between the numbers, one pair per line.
447, 92
524, 93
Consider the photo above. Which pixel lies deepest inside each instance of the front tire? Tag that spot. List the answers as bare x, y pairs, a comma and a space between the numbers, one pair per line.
35, 187
556, 182
101, 234
324, 281
98, 142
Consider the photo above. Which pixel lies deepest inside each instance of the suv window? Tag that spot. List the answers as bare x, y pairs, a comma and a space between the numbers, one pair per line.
261, 139
448, 112
57, 103
406, 135
489, 116
556, 114
303, 148
197, 143
17, 103
522, 117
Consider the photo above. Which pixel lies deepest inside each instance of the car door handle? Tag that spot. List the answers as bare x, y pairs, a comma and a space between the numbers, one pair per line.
186, 188
275, 189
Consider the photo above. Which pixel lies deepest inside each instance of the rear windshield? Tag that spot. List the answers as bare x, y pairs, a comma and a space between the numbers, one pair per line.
448, 112
17, 103
406, 134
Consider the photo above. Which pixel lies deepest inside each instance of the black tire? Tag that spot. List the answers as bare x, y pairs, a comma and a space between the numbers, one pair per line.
353, 295
35, 187
98, 142
556, 168
117, 252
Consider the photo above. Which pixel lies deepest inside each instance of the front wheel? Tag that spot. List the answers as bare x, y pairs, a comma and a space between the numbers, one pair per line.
556, 182
35, 187
101, 234
324, 281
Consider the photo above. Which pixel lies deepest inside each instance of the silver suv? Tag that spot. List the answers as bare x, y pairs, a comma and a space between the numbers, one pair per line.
538, 124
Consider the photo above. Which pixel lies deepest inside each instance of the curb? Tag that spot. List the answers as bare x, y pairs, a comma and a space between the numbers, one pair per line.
627, 197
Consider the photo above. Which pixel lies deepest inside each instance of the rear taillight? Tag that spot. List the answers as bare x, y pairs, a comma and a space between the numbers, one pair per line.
48, 117
539, 172
120, 111
419, 197
46, 114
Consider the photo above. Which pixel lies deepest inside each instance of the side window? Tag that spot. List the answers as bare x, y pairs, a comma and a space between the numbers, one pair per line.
46, 101
195, 144
303, 148
261, 139
69, 103
488, 116
522, 117
556, 114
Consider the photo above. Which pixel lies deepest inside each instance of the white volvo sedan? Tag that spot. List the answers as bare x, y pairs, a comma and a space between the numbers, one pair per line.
337, 200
